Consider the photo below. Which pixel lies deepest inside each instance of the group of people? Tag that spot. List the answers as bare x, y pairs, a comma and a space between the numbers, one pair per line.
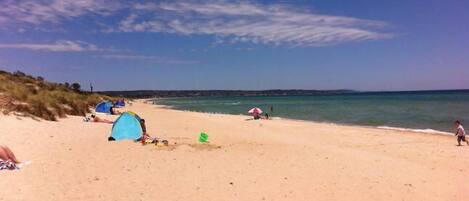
460, 132
257, 114
8, 160
112, 111
146, 138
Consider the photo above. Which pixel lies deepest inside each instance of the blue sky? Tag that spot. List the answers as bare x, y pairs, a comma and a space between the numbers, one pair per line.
303, 44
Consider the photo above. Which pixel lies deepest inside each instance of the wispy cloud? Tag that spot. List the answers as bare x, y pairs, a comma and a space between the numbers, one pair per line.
245, 49
58, 46
250, 22
152, 59
53, 11
226, 21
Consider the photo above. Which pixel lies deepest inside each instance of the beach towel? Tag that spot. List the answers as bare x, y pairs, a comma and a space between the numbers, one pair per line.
8, 165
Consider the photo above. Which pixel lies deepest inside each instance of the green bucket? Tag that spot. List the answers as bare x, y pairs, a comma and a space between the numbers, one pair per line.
203, 137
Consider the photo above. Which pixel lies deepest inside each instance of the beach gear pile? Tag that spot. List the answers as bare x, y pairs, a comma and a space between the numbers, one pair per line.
127, 127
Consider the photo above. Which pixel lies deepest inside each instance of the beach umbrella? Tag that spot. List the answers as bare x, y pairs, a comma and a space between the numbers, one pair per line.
255, 110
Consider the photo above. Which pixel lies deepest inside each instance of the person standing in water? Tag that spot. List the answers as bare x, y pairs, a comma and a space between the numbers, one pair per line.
460, 133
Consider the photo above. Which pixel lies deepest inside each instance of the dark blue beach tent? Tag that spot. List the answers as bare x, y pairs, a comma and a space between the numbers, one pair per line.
120, 103
104, 107
127, 127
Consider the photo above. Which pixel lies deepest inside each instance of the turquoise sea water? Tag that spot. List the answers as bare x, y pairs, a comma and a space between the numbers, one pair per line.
435, 110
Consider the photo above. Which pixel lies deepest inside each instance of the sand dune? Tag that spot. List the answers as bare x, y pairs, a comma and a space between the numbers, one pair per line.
245, 160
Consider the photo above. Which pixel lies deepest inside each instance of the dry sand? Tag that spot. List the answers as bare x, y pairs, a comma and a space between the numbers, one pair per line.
245, 160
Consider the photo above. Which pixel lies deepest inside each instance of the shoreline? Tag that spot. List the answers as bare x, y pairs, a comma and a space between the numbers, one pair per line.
427, 131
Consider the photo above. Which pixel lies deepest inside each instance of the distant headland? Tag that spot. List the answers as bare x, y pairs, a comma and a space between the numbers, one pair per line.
271, 92
196, 93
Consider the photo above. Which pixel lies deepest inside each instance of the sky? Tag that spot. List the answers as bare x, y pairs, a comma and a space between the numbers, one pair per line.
365, 45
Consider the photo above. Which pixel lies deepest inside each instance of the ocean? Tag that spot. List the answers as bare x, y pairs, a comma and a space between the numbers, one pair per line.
421, 111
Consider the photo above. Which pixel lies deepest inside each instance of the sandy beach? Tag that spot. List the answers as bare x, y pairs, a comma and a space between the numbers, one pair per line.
245, 160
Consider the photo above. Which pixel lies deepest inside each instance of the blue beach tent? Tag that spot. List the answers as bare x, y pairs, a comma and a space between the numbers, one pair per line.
120, 103
104, 107
127, 127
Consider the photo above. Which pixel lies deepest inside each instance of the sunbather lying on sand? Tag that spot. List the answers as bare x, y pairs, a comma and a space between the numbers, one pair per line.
7, 155
95, 118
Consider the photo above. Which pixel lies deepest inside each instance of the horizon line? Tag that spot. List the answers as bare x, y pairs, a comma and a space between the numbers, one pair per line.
261, 90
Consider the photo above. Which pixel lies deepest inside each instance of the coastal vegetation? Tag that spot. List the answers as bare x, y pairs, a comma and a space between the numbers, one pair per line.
27, 95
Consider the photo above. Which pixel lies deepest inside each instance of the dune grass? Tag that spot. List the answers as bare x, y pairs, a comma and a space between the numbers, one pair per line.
33, 96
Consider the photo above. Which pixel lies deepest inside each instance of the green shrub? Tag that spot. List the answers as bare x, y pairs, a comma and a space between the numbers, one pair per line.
36, 97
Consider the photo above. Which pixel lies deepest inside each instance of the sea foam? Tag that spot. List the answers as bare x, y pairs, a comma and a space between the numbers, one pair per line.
428, 130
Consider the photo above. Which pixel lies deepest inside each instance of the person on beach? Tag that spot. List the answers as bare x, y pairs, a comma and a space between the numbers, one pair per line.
96, 119
113, 111
7, 155
146, 138
256, 116
145, 135
460, 133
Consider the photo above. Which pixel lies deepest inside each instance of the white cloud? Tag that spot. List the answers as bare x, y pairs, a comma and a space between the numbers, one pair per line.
227, 21
53, 11
245, 49
123, 56
153, 59
249, 22
58, 46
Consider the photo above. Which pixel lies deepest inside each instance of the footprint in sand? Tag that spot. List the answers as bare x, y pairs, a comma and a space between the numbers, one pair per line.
189, 147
